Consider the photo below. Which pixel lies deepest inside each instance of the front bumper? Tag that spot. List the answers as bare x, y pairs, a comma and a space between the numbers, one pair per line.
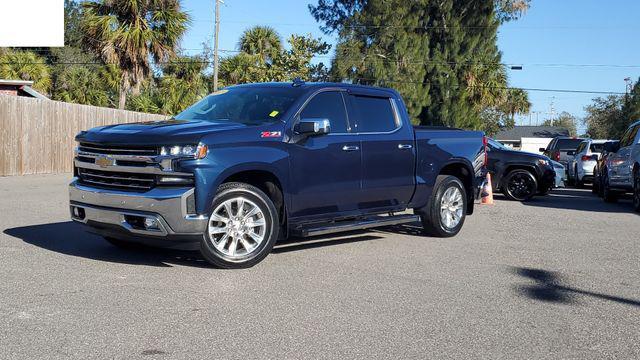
114, 211
547, 179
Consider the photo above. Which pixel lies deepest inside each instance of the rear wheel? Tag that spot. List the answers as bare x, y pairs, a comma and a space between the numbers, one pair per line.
242, 228
520, 185
447, 209
608, 195
636, 191
579, 182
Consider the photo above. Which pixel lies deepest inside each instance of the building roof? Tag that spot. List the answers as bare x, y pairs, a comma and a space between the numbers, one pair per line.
25, 87
519, 132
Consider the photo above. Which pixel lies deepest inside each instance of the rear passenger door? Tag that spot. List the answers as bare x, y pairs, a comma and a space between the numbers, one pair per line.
388, 156
621, 162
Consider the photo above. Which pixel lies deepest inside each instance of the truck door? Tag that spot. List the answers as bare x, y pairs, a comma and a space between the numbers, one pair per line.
388, 155
325, 171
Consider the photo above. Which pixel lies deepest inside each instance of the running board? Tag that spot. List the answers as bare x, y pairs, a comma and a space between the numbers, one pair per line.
350, 225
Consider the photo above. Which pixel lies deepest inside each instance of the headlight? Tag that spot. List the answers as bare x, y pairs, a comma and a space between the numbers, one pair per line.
544, 162
185, 151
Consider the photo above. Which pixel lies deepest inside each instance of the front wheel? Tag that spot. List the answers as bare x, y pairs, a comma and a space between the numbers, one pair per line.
242, 228
520, 185
447, 209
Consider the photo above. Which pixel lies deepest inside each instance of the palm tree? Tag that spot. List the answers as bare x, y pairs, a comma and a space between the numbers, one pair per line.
80, 85
128, 33
26, 65
517, 102
263, 41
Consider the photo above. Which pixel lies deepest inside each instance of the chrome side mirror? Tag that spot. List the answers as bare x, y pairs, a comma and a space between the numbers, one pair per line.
313, 127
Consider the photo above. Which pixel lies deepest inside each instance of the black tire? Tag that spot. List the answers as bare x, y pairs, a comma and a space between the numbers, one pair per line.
601, 184
636, 191
433, 220
579, 183
270, 215
595, 184
520, 185
608, 195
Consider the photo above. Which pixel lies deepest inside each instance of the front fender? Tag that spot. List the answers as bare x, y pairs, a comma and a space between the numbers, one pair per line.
221, 163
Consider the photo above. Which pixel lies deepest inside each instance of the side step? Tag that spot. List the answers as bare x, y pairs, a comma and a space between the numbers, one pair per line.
350, 225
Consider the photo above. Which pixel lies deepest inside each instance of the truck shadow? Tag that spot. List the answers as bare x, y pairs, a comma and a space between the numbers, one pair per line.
580, 200
548, 286
71, 239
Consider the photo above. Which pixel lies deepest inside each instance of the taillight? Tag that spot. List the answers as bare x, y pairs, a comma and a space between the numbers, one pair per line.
485, 141
556, 156
589, 157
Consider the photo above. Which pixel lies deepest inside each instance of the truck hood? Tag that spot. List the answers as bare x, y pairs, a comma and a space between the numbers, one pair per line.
165, 132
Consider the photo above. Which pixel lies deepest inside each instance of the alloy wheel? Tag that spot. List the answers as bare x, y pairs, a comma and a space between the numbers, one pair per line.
237, 227
521, 186
451, 207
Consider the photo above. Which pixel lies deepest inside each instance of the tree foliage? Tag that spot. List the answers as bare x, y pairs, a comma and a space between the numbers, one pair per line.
441, 55
26, 65
263, 58
564, 120
129, 33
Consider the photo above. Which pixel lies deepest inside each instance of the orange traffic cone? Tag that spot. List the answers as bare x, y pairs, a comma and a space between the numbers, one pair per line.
487, 192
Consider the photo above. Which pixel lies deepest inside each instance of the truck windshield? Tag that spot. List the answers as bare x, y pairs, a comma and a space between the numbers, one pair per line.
245, 105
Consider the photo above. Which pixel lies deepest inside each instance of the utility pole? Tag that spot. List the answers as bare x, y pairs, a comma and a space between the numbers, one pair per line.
215, 46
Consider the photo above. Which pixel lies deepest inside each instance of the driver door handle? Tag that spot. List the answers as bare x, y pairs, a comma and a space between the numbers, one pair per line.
350, 148
404, 146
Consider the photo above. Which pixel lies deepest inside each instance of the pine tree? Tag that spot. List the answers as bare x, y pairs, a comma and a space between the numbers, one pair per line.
441, 55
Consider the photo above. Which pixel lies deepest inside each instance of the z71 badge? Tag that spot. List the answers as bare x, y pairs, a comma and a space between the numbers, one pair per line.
270, 134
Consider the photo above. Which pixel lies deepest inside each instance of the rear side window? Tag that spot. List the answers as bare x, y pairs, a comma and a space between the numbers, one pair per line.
327, 105
568, 144
375, 114
597, 148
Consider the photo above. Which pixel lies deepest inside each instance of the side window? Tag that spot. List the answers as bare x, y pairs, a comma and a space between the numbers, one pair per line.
626, 140
580, 148
633, 134
375, 114
327, 105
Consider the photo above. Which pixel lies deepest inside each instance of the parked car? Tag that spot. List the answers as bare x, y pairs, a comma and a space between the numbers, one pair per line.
622, 169
253, 163
561, 174
584, 160
610, 147
558, 149
519, 175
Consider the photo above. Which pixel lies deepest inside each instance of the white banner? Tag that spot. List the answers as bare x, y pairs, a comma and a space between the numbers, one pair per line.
31, 23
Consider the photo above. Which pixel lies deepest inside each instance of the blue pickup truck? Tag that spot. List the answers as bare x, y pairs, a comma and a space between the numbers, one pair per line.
251, 164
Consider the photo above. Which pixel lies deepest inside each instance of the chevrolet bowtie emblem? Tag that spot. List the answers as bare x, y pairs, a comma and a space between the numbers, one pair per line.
104, 161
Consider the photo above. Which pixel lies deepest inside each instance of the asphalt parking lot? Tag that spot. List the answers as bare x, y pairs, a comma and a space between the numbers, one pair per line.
558, 277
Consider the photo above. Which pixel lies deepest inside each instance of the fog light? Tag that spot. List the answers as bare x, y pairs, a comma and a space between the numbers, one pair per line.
77, 212
151, 224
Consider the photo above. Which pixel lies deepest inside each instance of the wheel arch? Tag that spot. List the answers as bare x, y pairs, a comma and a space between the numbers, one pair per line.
264, 179
463, 171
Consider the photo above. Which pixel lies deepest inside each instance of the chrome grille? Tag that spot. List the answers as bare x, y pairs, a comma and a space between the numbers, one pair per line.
118, 150
116, 180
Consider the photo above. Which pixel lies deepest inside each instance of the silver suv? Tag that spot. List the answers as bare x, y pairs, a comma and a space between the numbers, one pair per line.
623, 168
580, 167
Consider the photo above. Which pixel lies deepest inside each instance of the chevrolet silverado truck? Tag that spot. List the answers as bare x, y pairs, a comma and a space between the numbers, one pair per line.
251, 164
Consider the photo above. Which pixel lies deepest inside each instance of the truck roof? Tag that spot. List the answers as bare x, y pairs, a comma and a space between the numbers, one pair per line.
316, 85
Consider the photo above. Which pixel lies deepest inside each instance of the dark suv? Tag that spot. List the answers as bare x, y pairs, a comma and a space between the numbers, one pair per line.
519, 175
559, 148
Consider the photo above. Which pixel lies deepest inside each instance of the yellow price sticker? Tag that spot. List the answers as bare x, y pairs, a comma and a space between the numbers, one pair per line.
274, 113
